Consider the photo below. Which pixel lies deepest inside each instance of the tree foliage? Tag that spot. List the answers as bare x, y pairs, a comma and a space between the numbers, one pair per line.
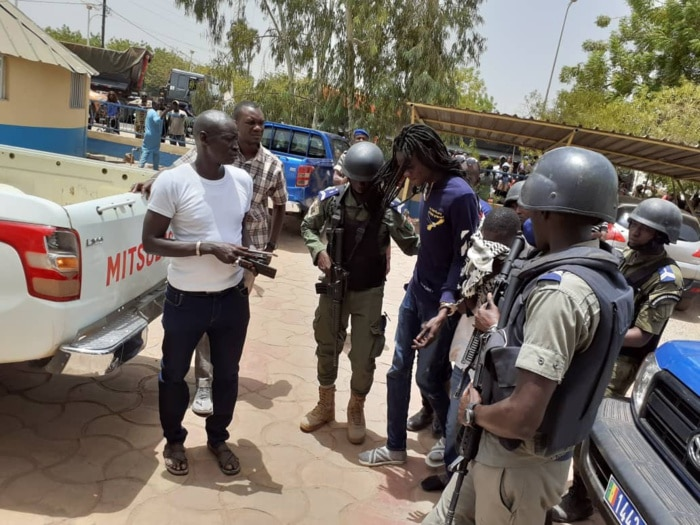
644, 80
353, 62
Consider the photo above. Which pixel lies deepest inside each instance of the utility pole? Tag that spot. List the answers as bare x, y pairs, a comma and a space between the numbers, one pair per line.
104, 18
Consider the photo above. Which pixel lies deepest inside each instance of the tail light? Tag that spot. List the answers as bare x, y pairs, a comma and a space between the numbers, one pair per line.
696, 254
614, 234
50, 257
304, 175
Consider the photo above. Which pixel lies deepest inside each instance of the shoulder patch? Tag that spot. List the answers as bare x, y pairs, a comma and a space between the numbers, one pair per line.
328, 192
666, 274
550, 276
397, 206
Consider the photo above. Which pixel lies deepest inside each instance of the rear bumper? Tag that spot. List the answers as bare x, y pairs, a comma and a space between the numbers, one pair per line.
114, 340
616, 447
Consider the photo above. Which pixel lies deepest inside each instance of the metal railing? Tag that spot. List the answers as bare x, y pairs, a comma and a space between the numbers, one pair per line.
123, 119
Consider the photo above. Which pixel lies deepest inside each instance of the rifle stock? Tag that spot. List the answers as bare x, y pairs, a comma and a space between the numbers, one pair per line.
475, 358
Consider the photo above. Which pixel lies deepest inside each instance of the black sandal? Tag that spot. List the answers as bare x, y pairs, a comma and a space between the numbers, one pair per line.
228, 461
175, 459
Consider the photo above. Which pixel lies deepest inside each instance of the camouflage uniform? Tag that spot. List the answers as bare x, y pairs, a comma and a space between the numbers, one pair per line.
654, 302
364, 305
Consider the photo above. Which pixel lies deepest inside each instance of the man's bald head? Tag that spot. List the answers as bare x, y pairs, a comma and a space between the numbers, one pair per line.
211, 121
216, 136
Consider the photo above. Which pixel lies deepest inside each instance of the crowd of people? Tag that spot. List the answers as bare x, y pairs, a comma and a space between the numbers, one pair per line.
552, 342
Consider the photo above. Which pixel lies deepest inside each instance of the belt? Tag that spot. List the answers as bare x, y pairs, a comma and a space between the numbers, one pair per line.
239, 287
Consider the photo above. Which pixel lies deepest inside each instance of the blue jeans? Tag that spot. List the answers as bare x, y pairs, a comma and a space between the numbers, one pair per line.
187, 316
430, 372
451, 450
154, 153
177, 139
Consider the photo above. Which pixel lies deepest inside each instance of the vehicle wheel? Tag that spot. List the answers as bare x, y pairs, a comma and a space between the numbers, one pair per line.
685, 303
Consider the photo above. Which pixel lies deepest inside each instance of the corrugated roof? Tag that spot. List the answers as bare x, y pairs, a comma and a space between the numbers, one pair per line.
680, 161
22, 38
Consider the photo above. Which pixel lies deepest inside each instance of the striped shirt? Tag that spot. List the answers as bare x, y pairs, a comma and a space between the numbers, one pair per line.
268, 181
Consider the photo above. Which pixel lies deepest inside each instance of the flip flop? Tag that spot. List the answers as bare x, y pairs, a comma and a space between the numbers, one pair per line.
175, 459
225, 457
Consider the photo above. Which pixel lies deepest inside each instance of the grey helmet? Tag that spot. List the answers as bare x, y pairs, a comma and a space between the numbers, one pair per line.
362, 161
572, 180
660, 215
514, 193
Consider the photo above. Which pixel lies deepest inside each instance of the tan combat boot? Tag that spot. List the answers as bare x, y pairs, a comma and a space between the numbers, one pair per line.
323, 412
356, 419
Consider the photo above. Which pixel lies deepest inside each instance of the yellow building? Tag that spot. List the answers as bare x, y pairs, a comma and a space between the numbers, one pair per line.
44, 88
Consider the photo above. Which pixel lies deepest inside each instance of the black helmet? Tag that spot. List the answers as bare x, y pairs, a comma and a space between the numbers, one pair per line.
362, 161
572, 180
514, 193
660, 215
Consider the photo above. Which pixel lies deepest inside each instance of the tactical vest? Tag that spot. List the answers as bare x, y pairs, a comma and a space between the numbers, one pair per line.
574, 403
640, 282
363, 257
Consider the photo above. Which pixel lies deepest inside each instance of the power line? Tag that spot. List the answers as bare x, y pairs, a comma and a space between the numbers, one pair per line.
152, 34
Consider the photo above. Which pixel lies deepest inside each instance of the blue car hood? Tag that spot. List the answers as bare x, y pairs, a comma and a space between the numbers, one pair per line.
682, 359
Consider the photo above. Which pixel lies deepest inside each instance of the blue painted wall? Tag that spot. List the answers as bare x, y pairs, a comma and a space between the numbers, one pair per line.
113, 149
67, 141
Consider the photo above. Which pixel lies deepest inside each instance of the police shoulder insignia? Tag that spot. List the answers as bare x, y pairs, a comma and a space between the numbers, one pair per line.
666, 274
397, 206
550, 276
328, 192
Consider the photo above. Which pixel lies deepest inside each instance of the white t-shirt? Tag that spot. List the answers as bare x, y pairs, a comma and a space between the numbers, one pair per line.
203, 210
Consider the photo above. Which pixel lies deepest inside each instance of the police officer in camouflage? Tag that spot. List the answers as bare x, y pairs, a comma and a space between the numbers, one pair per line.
658, 285
552, 342
368, 230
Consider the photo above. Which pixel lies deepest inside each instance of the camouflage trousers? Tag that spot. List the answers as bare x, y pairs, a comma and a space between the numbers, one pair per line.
364, 310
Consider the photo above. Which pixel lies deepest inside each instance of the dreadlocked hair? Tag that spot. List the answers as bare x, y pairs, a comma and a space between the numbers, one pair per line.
423, 143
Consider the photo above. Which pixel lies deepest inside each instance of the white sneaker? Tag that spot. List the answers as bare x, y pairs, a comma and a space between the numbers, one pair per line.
202, 405
382, 456
436, 456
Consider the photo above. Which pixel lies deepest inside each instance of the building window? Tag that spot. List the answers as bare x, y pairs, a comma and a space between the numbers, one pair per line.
77, 91
2, 77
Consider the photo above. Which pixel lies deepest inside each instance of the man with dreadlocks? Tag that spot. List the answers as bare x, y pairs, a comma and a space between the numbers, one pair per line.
449, 214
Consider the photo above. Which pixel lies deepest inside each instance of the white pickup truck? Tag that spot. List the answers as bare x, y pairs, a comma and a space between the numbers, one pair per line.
77, 290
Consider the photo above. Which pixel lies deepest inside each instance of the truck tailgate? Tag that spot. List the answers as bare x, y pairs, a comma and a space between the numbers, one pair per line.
115, 267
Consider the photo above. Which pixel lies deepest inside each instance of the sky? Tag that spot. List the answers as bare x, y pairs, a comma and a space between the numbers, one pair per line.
521, 36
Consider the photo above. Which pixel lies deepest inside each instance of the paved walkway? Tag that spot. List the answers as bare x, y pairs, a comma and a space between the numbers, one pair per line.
88, 451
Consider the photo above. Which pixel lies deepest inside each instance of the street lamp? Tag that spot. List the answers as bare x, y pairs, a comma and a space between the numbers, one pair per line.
90, 7
556, 54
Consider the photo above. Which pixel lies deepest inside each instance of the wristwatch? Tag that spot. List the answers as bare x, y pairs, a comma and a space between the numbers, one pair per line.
470, 415
270, 246
450, 307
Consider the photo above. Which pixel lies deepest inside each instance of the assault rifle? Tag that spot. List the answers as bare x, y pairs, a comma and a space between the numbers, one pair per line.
260, 260
474, 359
335, 285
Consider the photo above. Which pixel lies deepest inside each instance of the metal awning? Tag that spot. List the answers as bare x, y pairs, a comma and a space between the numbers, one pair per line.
22, 38
679, 161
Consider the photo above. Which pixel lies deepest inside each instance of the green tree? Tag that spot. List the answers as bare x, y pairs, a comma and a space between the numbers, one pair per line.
363, 60
657, 45
66, 34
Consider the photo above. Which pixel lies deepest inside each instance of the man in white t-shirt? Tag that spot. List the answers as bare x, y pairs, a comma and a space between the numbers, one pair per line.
205, 205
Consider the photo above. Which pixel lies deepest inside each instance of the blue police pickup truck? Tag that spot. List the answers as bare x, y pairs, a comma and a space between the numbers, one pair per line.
308, 156
641, 463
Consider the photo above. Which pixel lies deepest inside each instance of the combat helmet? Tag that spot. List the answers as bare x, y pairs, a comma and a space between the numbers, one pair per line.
660, 215
362, 161
513, 193
572, 180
